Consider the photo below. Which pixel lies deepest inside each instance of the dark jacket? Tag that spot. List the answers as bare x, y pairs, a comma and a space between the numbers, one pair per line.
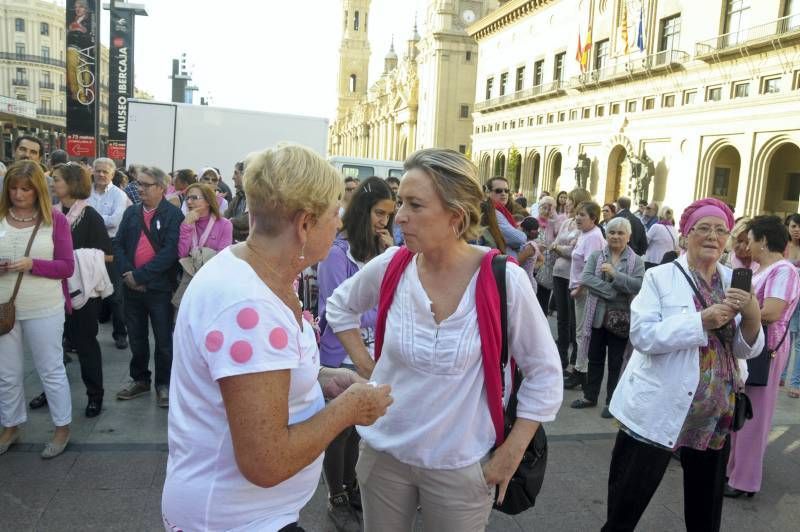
237, 215
638, 234
158, 274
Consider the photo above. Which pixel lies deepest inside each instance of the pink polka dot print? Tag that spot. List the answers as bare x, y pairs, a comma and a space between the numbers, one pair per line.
241, 351
278, 338
214, 341
247, 318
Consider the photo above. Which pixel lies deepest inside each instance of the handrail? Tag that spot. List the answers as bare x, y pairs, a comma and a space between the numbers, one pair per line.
732, 39
13, 56
524, 94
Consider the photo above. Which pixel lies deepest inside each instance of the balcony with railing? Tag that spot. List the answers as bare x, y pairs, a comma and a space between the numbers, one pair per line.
13, 56
47, 85
538, 92
775, 33
47, 111
19, 82
664, 61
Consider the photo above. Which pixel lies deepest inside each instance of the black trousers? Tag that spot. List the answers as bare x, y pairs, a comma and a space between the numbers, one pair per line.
543, 296
115, 303
81, 330
157, 308
637, 469
565, 317
600, 341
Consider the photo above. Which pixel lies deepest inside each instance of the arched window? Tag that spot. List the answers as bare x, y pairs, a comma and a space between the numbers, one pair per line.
355, 22
352, 83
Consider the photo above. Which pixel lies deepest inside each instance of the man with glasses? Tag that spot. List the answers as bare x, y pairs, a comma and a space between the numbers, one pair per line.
350, 186
499, 194
146, 249
650, 215
111, 202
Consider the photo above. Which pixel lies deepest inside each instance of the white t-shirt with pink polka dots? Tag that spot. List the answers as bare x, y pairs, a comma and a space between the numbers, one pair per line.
230, 323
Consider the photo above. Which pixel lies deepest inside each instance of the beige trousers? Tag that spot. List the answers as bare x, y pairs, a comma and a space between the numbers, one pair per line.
452, 500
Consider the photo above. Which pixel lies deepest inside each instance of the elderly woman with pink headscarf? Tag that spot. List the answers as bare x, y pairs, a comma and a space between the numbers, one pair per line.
688, 331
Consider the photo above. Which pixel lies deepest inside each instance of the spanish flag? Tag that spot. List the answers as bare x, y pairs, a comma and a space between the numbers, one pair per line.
587, 50
624, 37
579, 52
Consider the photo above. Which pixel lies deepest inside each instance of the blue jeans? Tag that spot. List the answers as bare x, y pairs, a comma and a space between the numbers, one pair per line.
157, 307
794, 376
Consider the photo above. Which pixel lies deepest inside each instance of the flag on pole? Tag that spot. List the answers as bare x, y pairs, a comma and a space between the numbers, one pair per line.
624, 36
579, 52
587, 50
640, 37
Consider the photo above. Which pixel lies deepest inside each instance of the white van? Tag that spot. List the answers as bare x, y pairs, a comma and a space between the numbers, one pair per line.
364, 168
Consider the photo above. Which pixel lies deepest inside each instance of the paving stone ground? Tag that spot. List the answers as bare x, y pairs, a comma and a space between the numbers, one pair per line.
111, 476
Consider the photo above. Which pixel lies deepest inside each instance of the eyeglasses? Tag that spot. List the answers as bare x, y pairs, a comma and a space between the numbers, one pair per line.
350, 189
704, 231
142, 184
210, 179
501, 191
194, 198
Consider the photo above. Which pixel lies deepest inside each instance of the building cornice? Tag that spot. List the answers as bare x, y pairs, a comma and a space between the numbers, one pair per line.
504, 15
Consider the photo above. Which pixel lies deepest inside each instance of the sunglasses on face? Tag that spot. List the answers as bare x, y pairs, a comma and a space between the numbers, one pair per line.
501, 191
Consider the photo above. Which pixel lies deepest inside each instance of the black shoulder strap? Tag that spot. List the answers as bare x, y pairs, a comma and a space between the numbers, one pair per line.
499, 271
700, 297
146, 230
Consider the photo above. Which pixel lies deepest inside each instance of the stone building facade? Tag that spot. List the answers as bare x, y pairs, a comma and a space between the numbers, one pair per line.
702, 101
424, 95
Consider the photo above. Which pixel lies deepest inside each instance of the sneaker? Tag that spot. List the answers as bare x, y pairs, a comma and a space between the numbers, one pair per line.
162, 396
94, 407
573, 381
133, 390
342, 515
121, 343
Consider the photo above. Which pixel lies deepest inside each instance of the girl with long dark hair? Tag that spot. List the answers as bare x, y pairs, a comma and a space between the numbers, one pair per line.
366, 233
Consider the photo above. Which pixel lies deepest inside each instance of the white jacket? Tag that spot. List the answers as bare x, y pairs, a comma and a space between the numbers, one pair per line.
90, 278
656, 389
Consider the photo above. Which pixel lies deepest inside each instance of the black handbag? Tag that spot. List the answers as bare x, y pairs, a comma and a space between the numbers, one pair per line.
742, 407
617, 321
527, 481
758, 367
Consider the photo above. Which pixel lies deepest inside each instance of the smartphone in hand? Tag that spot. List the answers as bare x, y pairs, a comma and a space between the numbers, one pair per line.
742, 279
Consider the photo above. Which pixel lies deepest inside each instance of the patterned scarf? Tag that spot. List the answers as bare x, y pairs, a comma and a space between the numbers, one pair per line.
75, 212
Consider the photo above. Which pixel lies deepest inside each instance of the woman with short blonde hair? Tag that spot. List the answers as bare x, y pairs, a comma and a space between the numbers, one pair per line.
432, 357
247, 421
27, 220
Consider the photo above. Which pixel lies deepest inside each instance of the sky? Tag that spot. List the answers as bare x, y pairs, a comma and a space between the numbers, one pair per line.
265, 55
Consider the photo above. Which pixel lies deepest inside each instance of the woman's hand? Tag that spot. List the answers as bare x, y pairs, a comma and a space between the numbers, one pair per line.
385, 238
742, 302
576, 292
25, 264
366, 402
716, 316
608, 269
335, 381
506, 459
191, 217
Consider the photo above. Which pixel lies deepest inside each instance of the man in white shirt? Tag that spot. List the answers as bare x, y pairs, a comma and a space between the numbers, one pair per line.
110, 201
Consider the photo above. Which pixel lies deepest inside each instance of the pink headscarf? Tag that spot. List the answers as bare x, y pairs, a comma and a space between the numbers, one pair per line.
702, 208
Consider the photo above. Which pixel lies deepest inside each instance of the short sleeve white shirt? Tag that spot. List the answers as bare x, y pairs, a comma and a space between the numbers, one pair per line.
226, 329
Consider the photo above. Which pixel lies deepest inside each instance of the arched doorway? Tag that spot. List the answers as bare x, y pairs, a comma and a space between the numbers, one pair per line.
515, 169
554, 172
532, 173
485, 167
783, 180
724, 175
618, 174
499, 166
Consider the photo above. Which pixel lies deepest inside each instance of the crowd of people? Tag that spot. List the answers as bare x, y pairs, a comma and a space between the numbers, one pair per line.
362, 325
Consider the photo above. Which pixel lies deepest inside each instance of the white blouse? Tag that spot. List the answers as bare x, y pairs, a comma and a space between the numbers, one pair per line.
440, 417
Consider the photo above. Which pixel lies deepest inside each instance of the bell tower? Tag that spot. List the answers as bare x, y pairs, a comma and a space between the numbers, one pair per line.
353, 55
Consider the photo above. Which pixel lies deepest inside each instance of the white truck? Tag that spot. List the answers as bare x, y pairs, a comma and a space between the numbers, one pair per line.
172, 136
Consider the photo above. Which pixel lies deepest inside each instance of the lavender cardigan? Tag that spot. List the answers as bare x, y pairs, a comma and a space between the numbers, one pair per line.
63, 264
332, 272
